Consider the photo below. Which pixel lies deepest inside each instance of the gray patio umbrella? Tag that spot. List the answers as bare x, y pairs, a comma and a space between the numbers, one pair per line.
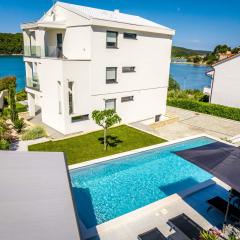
220, 159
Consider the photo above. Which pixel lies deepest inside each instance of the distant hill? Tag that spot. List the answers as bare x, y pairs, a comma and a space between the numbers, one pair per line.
11, 43
185, 52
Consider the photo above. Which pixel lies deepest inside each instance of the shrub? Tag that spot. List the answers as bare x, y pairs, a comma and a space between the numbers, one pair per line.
6, 112
34, 133
19, 124
208, 108
173, 84
21, 95
4, 144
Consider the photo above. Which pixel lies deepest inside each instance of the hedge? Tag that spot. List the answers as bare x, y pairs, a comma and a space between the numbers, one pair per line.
208, 108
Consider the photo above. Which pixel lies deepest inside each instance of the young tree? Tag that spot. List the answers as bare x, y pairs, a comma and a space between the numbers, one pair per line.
105, 119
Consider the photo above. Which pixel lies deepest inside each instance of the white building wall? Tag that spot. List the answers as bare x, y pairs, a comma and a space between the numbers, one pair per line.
50, 71
226, 84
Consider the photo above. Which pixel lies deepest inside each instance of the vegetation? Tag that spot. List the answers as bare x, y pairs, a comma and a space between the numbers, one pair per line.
4, 135
173, 84
9, 83
180, 52
204, 57
11, 43
215, 235
89, 146
34, 133
19, 125
204, 107
105, 119
21, 95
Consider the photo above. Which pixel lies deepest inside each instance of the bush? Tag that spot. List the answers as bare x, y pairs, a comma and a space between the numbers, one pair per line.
19, 124
6, 112
21, 95
173, 84
208, 108
4, 144
34, 133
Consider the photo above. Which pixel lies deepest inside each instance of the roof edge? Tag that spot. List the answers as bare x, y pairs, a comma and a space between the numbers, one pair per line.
226, 60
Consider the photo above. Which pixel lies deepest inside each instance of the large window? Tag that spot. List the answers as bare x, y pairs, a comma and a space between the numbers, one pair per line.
111, 75
59, 97
110, 104
130, 35
112, 39
70, 97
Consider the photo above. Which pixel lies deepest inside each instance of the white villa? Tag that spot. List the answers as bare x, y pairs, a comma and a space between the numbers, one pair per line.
79, 59
225, 89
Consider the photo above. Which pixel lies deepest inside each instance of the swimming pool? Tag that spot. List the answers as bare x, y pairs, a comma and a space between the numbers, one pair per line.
110, 189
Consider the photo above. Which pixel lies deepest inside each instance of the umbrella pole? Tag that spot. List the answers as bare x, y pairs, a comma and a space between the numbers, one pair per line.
227, 211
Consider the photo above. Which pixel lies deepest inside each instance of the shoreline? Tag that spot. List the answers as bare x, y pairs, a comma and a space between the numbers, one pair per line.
11, 55
191, 63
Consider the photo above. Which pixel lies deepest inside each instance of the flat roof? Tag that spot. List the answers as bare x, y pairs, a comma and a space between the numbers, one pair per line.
36, 199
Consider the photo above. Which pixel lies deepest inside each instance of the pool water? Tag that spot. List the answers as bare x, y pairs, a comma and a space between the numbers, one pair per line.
110, 189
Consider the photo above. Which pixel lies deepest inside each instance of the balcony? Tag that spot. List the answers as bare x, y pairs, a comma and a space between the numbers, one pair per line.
38, 51
33, 83
32, 51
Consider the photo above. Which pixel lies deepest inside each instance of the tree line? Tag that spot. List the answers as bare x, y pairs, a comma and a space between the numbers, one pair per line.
11, 43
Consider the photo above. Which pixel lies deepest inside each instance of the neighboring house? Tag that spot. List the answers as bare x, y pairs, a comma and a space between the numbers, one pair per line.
225, 89
79, 59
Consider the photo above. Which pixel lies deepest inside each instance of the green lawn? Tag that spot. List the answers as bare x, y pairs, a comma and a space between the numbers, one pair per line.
90, 146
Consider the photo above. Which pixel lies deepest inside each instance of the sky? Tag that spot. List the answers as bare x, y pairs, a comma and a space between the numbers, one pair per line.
199, 24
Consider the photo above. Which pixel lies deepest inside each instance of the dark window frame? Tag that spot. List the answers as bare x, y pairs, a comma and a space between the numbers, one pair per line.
111, 81
131, 69
127, 99
79, 118
126, 35
111, 99
116, 46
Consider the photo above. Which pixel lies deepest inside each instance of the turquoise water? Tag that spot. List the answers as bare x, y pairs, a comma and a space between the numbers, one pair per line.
13, 65
107, 190
189, 76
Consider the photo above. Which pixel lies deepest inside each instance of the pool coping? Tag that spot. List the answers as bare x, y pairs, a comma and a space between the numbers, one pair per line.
94, 231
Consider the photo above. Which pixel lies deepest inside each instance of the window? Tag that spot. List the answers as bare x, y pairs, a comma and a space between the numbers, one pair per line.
70, 97
127, 99
130, 35
80, 118
112, 39
111, 75
110, 104
128, 69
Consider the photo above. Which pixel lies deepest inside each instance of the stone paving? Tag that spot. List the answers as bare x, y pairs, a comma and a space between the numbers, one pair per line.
192, 123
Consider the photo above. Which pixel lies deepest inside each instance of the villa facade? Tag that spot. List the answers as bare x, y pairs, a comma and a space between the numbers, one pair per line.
79, 59
225, 85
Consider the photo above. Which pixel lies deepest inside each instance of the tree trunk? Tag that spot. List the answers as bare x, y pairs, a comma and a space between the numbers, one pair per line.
105, 139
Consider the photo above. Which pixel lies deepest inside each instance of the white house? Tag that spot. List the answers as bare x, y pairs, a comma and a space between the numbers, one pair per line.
79, 59
225, 87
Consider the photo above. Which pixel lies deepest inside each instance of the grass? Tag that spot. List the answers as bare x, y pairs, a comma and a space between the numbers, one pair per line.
90, 146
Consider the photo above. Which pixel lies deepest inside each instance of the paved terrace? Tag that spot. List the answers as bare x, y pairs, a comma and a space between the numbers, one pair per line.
191, 202
192, 123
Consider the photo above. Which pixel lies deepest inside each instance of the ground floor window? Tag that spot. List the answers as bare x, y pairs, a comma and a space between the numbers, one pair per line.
110, 104
127, 99
80, 118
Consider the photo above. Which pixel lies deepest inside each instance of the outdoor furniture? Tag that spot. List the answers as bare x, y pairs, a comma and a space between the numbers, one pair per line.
186, 226
153, 234
221, 205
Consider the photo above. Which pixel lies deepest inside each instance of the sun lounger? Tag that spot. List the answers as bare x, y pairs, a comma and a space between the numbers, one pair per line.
186, 226
221, 205
153, 234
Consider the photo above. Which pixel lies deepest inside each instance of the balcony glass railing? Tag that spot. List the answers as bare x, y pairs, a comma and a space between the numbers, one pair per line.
33, 83
32, 51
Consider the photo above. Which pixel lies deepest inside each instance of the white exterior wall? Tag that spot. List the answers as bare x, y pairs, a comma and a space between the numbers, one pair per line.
226, 83
85, 60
